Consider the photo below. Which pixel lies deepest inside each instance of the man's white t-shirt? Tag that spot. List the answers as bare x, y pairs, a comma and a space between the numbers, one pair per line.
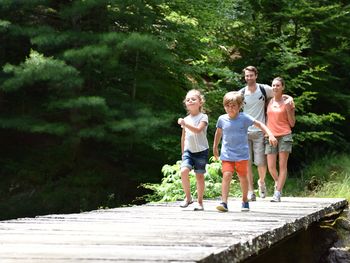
254, 104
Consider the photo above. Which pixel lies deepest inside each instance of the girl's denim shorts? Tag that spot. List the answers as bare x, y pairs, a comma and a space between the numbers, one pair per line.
196, 161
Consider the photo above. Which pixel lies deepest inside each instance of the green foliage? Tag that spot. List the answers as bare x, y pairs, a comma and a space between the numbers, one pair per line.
170, 189
328, 176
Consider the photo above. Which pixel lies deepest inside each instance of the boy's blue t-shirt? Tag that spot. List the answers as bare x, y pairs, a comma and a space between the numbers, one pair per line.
234, 143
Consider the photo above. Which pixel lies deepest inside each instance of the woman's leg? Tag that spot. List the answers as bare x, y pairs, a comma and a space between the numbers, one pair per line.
271, 163
283, 161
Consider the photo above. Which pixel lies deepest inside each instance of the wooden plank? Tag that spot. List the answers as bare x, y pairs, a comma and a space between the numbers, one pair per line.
160, 232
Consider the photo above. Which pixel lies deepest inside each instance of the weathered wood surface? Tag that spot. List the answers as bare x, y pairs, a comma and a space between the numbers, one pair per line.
160, 232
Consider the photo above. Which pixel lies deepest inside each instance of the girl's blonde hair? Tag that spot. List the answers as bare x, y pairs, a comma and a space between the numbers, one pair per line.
200, 97
233, 97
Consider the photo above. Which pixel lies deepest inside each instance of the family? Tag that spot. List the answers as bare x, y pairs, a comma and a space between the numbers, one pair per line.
260, 134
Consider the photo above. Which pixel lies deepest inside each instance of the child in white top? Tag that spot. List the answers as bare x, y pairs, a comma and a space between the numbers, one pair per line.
194, 146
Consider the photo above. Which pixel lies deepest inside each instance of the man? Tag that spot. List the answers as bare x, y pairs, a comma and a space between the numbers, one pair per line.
254, 105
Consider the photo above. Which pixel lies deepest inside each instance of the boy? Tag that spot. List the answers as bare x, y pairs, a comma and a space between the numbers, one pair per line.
232, 128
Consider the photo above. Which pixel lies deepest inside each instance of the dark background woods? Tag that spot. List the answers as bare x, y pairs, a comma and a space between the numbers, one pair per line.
90, 90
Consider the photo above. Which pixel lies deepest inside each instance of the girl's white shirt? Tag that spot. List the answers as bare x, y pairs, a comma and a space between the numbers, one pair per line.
196, 142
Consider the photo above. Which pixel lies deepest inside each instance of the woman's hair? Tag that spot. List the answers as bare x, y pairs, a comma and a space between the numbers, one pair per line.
200, 96
233, 97
251, 68
280, 80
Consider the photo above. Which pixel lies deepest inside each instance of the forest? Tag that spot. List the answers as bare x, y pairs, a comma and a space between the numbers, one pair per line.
90, 90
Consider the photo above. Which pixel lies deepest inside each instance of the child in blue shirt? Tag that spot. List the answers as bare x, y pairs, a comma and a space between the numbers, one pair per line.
232, 128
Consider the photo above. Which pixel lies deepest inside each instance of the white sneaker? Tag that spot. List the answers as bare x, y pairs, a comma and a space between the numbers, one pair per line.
262, 190
251, 196
276, 197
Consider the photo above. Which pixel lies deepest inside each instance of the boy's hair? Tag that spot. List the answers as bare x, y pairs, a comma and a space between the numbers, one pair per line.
197, 93
250, 68
233, 97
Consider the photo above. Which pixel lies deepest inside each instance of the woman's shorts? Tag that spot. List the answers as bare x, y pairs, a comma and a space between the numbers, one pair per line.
285, 144
196, 161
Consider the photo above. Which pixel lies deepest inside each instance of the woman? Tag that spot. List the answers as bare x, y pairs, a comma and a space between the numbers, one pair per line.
280, 120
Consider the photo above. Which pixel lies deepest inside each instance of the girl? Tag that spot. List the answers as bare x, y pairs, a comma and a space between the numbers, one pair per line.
194, 147
280, 120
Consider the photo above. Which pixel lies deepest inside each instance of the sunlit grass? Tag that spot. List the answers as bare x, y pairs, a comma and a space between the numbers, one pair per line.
326, 177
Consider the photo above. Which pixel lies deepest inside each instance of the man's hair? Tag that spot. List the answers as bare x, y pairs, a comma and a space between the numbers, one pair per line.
251, 68
233, 97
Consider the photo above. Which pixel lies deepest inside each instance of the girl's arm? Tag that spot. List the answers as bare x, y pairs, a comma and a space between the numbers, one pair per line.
263, 127
183, 134
217, 139
192, 128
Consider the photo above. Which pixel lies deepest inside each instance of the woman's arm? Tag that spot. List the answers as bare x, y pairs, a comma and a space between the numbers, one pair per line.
290, 108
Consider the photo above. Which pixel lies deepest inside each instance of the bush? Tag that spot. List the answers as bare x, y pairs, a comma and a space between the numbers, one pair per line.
170, 189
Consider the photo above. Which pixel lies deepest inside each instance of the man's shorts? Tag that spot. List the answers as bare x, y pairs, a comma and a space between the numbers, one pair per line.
257, 147
285, 143
196, 161
241, 167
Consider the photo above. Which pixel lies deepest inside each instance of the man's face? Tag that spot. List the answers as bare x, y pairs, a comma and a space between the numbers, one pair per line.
250, 77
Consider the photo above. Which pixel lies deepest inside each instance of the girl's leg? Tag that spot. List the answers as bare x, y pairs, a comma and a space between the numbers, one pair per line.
271, 163
200, 188
283, 160
225, 188
186, 182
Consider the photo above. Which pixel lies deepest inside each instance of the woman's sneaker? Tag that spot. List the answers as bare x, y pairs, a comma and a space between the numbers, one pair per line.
186, 203
276, 197
245, 207
222, 207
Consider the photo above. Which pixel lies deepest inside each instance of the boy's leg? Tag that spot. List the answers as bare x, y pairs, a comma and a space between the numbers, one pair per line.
225, 187
250, 166
242, 172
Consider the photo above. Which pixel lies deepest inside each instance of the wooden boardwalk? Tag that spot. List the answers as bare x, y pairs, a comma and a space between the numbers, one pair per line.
160, 232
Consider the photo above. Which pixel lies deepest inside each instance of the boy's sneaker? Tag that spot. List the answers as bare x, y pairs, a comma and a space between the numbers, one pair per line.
262, 190
251, 196
186, 203
276, 197
222, 207
198, 207
245, 207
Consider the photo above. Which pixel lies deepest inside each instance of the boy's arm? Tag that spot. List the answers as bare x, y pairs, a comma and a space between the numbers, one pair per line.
263, 127
217, 139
